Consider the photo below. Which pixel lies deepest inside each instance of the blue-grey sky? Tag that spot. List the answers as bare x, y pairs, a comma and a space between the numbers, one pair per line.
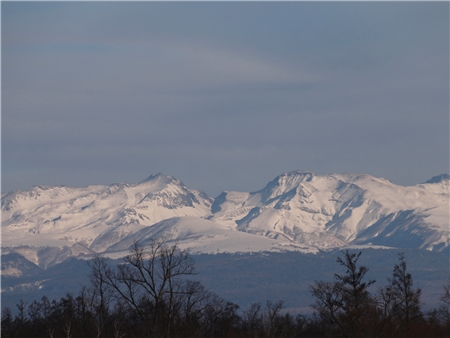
222, 95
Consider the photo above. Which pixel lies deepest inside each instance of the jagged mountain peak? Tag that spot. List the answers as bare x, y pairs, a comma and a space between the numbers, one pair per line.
305, 183
161, 182
171, 193
297, 208
160, 178
295, 176
34, 195
438, 178
285, 182
338, 208
292, 179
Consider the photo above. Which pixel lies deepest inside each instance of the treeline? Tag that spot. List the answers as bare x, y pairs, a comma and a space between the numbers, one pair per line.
150, 295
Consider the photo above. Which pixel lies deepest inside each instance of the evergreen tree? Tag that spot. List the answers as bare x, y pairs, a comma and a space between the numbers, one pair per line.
346, 302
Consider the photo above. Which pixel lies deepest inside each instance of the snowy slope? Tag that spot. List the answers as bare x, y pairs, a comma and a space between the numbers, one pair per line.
296, 211
204, 236
88, 220
335, 210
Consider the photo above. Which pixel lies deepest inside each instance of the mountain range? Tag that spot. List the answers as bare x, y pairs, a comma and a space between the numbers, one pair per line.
297, 211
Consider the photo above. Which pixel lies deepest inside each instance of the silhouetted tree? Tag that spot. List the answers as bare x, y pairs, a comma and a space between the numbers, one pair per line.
100, 294
120, 304
152, 284
252, 320
271, 318
406, 304
346, 302
7, 323
443, 312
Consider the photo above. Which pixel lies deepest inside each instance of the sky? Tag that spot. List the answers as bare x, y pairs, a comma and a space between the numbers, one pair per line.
222, 95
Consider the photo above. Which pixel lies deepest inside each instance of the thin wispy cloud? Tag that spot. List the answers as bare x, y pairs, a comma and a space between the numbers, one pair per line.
222, 95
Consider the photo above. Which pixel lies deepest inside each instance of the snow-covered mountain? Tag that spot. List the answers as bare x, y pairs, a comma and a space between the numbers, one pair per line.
49, 224
297, 211
341, 209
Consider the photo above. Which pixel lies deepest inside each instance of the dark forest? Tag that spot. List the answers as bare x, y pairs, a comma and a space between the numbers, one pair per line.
150, 295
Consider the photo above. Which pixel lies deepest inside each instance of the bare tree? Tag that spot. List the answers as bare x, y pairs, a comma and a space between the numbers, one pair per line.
444, 308
328, 300
219, 317
445, 298
267, 321
271, 318
150, 282
100, 294
252, 319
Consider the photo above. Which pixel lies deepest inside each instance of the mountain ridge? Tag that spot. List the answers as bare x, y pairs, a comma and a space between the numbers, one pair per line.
297, 210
